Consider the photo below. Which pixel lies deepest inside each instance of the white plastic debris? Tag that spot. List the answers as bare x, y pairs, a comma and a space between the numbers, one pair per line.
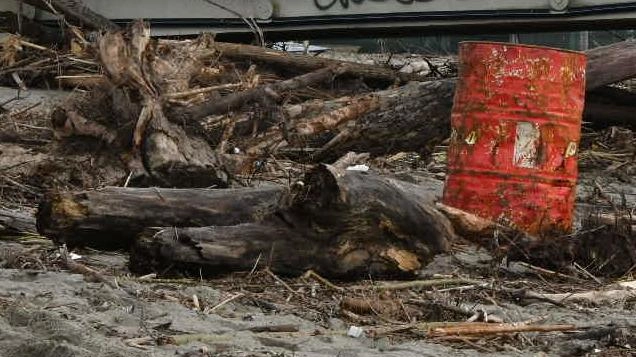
355, 332
74, 256
195, 302
297, 47
237, 150
362, 168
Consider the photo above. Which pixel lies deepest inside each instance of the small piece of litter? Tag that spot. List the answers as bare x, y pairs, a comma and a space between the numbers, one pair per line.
74, 256
355, 331
363, 168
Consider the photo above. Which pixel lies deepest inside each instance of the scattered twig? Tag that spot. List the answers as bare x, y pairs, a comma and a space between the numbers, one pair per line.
281, 281
79, 268
490, 329
140, 342
312, 274
193, 92
275, 328
548, 272
421, 284
226, 301
586, 272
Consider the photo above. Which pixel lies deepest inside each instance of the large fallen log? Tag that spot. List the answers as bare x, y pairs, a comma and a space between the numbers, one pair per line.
342, 224
611, 64
410, 118
112, 217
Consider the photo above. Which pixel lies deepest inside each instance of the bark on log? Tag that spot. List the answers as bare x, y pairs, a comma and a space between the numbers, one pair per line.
427, 108
414, 117
112, 217
411, 118
344, 224
611, 64
12, 222
176, 159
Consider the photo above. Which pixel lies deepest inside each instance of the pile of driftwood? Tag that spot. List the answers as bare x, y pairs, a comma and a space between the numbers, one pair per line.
196, 120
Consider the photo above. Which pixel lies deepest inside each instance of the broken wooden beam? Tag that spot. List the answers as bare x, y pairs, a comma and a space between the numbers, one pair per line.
112, 217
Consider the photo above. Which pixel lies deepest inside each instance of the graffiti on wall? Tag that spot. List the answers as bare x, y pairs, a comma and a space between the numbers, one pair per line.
328, 4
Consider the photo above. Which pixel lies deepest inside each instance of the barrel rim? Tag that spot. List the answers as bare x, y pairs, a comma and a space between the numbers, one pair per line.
510, 44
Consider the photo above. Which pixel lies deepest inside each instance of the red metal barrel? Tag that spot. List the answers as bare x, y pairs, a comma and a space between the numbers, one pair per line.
516, 125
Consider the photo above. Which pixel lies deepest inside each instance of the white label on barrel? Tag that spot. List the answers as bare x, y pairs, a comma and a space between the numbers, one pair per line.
526, 145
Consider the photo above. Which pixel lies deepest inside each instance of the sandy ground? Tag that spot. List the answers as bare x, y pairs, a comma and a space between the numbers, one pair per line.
59, 314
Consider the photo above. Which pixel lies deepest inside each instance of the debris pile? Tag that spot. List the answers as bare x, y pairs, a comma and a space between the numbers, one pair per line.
198, 113
202, 159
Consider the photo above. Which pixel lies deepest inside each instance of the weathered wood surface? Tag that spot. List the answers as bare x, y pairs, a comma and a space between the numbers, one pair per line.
16, 222
112, 217
342, 224
175, 159
611, 64
415, 117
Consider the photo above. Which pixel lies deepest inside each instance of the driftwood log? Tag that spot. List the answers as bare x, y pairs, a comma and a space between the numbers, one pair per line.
341, 224
112, 217
16, 222
413, 117
611, 64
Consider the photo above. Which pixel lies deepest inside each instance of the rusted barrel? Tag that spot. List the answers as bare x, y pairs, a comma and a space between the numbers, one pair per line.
516, 125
